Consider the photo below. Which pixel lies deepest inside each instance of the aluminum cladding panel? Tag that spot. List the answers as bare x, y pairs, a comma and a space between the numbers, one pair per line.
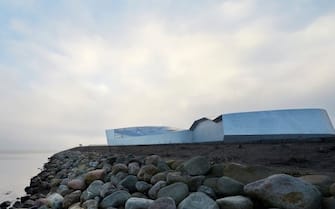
294, 121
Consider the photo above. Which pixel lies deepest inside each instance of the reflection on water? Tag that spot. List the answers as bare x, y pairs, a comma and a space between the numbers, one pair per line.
16, 169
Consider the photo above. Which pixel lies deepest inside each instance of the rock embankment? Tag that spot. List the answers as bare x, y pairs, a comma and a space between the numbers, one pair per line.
91, 180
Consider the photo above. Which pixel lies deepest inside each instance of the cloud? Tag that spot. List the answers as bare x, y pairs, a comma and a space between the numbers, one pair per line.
68, 77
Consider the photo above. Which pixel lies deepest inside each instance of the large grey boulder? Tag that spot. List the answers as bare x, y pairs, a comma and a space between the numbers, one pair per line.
177, 191
138, 203
71, 198
55, 201
142, 186
322, 182
198, 165
235, 202
90, 204
133, 168
198, 200
92, 190
328, 203
146, 172
129, 183
229, 187
163, 203
115, 199
153, 191
284, 191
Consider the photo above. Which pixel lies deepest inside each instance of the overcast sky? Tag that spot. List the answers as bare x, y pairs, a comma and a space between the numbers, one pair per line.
71, 69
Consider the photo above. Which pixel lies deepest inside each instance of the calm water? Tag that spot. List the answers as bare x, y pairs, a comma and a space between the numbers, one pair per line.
16, 169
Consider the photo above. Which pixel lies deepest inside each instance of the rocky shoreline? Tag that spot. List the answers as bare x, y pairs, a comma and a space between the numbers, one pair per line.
89, 179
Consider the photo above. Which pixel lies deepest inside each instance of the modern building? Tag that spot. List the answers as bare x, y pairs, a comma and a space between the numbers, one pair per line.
292, 124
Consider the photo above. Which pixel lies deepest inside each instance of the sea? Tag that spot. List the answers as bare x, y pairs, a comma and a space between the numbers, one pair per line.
16, 170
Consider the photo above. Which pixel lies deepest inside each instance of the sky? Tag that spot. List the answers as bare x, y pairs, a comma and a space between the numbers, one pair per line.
70, 69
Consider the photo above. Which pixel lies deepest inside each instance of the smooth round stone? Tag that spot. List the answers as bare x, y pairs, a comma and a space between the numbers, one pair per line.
92, 190
133, 168
76, 184
91, 176
71, 198
196, 166
129, 183
173, 177
163, 203
229, 187
152, 159
322, 182
153, 191
328, 203
158, 177
63, 190
177, 191
90, 204
55, 201
235, 202
115, 199
146, 172
208, 191
284, 191
119, 168
107, 189
138, 203
142, 186
198, 200
195, 182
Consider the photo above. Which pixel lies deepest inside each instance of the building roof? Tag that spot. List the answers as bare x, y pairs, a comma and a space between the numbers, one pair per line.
195, 123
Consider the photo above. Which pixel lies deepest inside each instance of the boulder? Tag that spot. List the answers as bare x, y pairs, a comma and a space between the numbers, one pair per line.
92, 190
146, 172
153, 191
284, 191
142, 186
322, 182
198, 200
328, 203
133, 168
163, 203
208, 191
152, 160
138, 203
77, 184
71, 198
107, 189
196, 166
247, 174
216, 170
63, 190
173, 177
163, 166
195, 182
158, 177
129, 183
97, 174
235, 202
119, 167
177, 191
90, 204
75, 206
116, 199
332, 189
228, 187
55, 201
